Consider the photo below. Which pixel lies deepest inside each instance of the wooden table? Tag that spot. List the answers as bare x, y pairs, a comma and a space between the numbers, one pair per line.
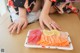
15, 43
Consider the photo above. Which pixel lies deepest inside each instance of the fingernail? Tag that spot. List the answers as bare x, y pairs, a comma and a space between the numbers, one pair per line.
11, 32
22, 28
17, 32
60, 29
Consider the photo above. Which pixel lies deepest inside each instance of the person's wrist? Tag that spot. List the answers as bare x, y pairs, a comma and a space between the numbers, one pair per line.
44, 14
21, 16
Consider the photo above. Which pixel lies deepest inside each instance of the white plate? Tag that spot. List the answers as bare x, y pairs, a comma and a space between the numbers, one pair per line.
49, 47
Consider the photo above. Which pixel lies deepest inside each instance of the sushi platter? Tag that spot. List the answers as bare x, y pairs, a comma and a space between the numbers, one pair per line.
51, 39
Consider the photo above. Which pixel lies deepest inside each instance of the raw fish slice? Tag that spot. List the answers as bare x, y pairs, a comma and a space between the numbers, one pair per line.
34, 36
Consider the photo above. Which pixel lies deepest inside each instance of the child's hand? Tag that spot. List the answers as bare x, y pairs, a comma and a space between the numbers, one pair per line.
46, 20
18, 25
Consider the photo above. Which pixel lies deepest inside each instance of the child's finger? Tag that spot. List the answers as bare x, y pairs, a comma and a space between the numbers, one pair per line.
41, 24
14, 28
57, 26
18, 28
10, 25
54, 27
10, 29
24, 26
49, 26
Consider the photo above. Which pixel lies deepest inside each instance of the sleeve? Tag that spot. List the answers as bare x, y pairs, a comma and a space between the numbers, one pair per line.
53, 2
30, 1
58, 0
19, 3
61, 0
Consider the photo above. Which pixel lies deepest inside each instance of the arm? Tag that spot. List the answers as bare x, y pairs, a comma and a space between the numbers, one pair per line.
20, 23
45, 19
22, 12
46, 7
